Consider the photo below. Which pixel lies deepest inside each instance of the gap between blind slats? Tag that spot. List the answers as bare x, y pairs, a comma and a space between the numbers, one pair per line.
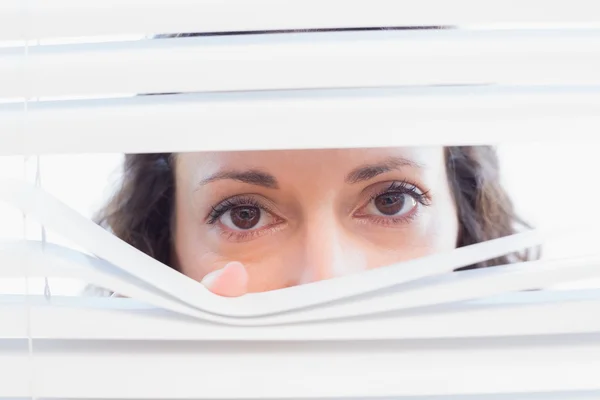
178, 370
299, 119
110, 319
68, 18
296, 61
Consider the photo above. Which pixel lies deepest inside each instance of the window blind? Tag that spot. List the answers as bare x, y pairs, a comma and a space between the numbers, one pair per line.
63, 18
497, 72
250, 120
304, 60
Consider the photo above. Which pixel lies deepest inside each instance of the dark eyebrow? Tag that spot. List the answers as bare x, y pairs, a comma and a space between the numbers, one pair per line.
252, 177
370, 171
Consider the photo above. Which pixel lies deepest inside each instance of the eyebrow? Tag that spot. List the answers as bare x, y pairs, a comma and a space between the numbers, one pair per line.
252, 177
370, 171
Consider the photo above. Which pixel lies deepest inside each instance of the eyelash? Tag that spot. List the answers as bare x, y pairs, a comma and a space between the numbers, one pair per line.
402, 187
405, 187
226, 205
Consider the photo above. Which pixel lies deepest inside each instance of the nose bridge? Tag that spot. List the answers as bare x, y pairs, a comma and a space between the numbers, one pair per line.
327, 249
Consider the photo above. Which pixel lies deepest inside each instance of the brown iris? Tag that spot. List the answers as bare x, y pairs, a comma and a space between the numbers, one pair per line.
390, 203
245, 217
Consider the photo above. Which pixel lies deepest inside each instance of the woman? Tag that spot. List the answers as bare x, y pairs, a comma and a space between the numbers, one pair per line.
263, 220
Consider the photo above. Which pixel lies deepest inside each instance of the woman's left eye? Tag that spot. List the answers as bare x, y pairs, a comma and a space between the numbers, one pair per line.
392, 204
245, 218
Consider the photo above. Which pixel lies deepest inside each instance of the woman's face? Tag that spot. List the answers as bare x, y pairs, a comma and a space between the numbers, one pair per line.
298, 216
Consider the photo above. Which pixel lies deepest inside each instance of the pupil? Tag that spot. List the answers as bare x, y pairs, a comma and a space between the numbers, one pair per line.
245, 217
245, 214
389, 204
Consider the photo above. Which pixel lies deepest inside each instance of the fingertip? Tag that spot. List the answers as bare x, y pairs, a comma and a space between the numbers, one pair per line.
229, 281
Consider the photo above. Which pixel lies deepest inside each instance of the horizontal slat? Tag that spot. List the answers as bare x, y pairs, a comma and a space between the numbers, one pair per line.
432, 291
299, 119
225, 370
63, 18
527, 313
308, 60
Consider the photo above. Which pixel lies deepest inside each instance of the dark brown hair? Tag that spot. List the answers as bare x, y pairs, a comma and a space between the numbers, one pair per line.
141, 211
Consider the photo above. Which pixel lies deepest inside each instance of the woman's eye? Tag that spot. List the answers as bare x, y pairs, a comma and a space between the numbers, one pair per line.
245, 218
392, 204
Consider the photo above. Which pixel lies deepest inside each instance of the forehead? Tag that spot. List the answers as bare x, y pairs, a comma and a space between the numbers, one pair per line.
334, 159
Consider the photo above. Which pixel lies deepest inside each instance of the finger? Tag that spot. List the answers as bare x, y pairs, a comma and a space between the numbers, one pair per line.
229, 281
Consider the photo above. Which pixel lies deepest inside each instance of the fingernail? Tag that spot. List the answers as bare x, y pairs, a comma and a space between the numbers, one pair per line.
211, 277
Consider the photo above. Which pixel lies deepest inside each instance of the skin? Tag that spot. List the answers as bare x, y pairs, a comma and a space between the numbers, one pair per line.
312, 214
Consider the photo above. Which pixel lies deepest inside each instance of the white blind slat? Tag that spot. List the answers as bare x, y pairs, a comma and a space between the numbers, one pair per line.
64, 18
311, 119
513, 314
431, 291
316, 60
178, 370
